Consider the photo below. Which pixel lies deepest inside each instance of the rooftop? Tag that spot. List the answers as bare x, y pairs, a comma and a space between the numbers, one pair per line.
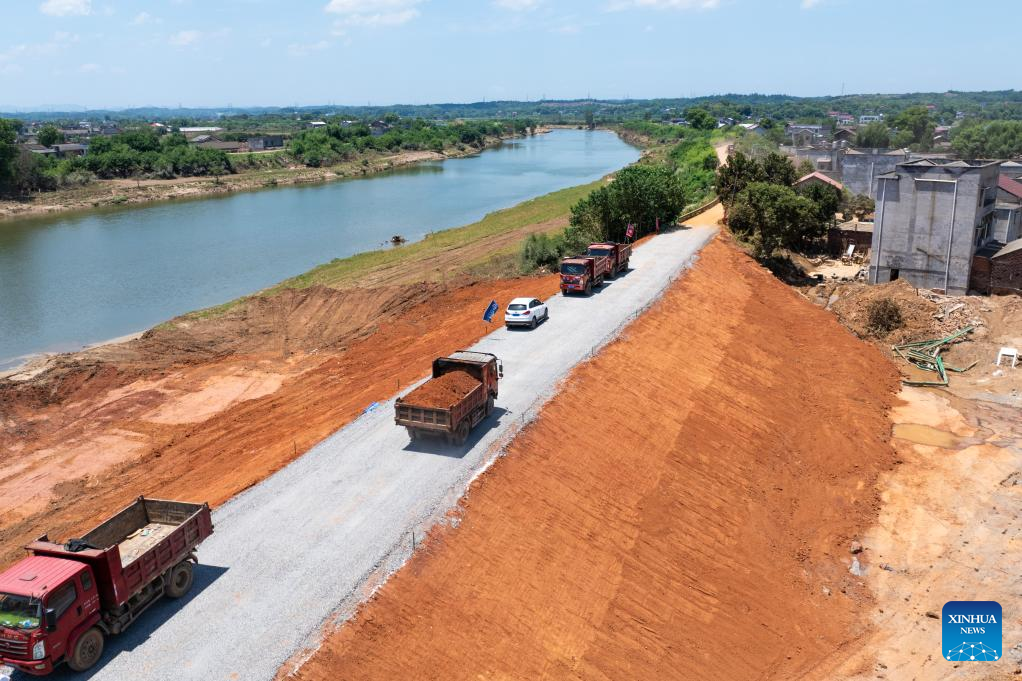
821, 178
1010, 247
1013, 187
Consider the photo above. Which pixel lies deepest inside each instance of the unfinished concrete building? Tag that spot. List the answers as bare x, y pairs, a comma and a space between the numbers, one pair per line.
932, 216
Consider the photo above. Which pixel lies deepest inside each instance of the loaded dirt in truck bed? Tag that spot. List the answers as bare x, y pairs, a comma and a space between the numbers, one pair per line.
443, 392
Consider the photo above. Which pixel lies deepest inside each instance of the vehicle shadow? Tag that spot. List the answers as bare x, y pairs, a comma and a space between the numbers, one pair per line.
139, 632
439, 447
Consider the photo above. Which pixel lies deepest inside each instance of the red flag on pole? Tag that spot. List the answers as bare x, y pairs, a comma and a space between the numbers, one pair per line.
630, 232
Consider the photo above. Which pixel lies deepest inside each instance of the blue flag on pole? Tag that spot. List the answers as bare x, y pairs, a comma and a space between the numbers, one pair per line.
491, 310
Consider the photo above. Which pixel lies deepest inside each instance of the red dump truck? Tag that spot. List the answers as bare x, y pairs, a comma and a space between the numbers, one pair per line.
58, 604
459, 396
617, 253
582, 273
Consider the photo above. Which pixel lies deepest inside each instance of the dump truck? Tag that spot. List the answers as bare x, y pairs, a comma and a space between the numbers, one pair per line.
582, 273
618, 254
58, 604
460, 394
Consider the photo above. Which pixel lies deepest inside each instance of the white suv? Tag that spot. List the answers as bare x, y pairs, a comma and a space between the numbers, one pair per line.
525, 312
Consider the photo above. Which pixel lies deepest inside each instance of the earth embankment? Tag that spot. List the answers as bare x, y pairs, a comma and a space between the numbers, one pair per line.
682, 509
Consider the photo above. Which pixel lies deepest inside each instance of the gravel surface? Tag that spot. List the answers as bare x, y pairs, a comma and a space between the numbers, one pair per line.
308, 544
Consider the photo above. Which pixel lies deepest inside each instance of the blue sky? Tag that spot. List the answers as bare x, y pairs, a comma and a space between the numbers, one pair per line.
123, 53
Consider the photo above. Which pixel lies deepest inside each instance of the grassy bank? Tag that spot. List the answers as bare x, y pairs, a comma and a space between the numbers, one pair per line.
344, 271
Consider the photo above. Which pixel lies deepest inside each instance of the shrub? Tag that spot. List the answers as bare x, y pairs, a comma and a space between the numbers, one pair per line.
540, 250
882, 317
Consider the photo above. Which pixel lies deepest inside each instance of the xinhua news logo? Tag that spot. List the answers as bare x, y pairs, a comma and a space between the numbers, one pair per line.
971, 631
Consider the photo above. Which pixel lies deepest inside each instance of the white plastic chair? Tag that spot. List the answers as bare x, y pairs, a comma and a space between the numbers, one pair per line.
1008, 353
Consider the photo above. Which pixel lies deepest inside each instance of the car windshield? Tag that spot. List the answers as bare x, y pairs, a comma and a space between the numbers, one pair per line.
573, 268
516, 306
19, 612
598, 251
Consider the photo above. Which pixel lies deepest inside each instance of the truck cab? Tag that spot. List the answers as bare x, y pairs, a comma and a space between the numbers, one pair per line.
45, 605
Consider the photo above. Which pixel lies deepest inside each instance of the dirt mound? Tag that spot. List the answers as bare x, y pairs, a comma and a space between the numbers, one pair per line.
919, 314
443, 392
691, 522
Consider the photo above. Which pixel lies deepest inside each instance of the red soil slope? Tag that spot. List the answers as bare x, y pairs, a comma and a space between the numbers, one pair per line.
681, 510
218, 454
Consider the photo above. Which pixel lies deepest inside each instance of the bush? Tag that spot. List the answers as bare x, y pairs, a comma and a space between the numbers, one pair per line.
540, 250
882, 317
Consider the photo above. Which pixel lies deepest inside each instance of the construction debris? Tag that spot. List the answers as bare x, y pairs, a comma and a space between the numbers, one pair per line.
925, 355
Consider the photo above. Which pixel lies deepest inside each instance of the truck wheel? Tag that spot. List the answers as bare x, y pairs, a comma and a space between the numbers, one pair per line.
180, 579
88, 650
462, 435
489, 405
589, 289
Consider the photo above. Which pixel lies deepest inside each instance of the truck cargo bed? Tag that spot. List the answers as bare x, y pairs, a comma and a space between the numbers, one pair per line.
133, 547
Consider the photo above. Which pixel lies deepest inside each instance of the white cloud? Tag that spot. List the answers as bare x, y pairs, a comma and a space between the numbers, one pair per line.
809, 4
143, 18
64, 8
90, 68
304, 50
371, 13
517, 5
664, 4
185, 38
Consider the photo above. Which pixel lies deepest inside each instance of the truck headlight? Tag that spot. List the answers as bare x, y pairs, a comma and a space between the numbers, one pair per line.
39, 650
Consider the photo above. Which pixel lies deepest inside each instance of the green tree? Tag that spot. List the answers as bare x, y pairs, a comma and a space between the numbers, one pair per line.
772, 216
639, 195
995, 139
735, 175
778, 169
860, 206
876, 135
49, 135
8, 150
590, 117
916, 121
805, 167
700, 119
827, 198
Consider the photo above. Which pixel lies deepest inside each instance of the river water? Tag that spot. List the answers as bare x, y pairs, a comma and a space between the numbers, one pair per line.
75, 279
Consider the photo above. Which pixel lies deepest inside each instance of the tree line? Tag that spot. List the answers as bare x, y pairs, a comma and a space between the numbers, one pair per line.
335, 142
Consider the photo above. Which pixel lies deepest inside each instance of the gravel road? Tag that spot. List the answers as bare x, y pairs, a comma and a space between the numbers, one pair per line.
308, 544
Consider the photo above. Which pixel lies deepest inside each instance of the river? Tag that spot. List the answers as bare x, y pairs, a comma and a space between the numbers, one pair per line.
74, 279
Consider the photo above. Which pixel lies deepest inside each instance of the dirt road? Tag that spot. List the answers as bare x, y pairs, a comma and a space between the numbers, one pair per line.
683, 509
351, 504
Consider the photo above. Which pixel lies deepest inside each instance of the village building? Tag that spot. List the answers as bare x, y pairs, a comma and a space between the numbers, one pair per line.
933, 215
264, 142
